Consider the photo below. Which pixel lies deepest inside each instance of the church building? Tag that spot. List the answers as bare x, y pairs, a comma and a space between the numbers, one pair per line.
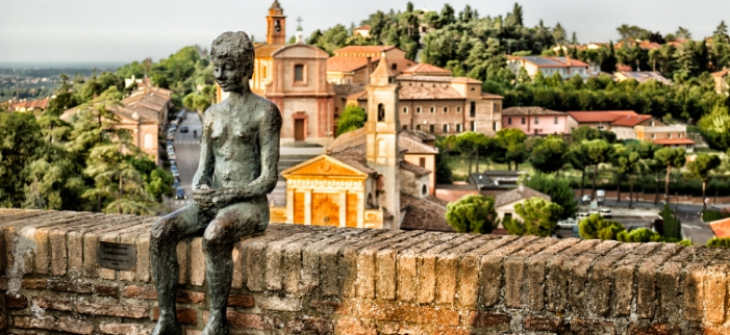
364, 179
294, 77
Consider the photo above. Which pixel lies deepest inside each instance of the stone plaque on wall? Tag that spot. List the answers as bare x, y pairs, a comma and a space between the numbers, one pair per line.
117, 256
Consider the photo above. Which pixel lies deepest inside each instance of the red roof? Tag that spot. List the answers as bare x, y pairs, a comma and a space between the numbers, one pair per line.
721, 73
425, 69
721, 228
630, 120
674, 141
347, 64
364, 48
365, 27
600, 116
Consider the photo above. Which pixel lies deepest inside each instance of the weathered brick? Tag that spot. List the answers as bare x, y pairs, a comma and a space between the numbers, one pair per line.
143, 268
624, 277
409, 314
276, 303
254, 250
490, 321
309, 324
241, 301
34, 284
646, 275
544, 324
491, 270
125, 311
190, 297
71, 286
590, 327
601, 279
186, 316
715, 293
366, 263
653, 329
111, 291
181, 250
351, 326
147, 292
251, 321
386, 265
63, 324
668, 280
559, 275
124, 329
15, 301
407, 274
197, 262
514, 271
58, 304
426, 267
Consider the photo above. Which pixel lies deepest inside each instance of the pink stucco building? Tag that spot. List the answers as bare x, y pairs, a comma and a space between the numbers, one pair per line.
536, 120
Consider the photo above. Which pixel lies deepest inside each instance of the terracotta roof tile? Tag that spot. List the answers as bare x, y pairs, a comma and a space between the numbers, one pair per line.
426, 69
354, 157
674, 141
630, 120
414, 145
429, 91
348, 64
490, 96
721, 228
364, 48
517, 194
599, 116
266, 50
550, 62
424, 214
415, 169
530, 110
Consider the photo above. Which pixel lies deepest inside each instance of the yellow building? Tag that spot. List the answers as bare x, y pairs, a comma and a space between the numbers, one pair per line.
366, 178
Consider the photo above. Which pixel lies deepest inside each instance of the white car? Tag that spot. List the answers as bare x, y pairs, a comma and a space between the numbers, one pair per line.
605, 212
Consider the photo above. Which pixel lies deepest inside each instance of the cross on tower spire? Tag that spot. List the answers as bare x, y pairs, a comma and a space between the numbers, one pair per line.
299, 23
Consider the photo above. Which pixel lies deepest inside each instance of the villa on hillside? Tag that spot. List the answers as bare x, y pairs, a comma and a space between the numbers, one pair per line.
566, 67
537, 120
641, 76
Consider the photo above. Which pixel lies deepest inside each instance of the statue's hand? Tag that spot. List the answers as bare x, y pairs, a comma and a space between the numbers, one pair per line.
203, 196
223, 197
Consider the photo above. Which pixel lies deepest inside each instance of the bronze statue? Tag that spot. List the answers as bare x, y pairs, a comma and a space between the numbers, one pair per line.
239, 153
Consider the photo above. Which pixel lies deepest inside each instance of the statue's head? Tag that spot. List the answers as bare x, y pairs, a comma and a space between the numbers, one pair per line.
233, 55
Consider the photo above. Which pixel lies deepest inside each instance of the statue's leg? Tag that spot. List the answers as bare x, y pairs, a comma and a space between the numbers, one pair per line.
230, 225
165, 234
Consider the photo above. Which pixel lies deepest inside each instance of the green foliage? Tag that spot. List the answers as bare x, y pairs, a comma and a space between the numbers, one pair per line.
548, 155
472, 214
709, 216
639, 235
444, 175
352, 118
512, 141
558, 189
672, 224
20, 145
200, 100
540, 216
719, 242
596, 226
715, 127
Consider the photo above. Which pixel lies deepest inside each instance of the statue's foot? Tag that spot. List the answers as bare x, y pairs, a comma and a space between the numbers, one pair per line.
216, 326
167, 326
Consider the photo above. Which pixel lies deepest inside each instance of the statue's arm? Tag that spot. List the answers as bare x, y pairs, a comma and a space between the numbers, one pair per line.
268, 137
205, 167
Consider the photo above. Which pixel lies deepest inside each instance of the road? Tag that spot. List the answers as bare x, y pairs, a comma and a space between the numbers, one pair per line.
692, 225
187, 150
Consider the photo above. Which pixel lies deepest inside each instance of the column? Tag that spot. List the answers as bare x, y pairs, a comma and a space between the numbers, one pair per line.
343, 209
360, 210
308, 207
289, 204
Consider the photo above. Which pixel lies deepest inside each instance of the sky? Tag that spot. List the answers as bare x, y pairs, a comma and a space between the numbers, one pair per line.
98, 31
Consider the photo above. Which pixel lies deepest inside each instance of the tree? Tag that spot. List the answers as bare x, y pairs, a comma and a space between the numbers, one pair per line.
513, 142
540, 218
700, 168
579, 161
472, 214
641, 235
596, 226
548, 155
596, 152
470, 144
20, 145
625, 162
672, 227
670, 158
353, 117
200, 100
558, 189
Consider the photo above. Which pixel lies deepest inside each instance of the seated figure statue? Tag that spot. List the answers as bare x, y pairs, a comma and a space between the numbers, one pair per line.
239, 153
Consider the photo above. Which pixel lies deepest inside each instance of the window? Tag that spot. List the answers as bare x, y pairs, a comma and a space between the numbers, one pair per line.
679, 135
556, 120
431, 128
509, 120
424, 190
422, 161
432, 109
652, 123
405, 127
418, 127
446, 128
446, 109
418, 110
458, 109
537, 120
523, 120
473, 111
405, 110
381, 113
459, 128
299, 72
473, 89
653, 136
669, 135
495, 125
394, 66
473, 126
497, 107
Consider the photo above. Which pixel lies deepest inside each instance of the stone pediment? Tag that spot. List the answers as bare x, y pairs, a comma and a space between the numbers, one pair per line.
324, 166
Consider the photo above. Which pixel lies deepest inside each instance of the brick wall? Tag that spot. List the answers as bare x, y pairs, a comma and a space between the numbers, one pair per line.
315, 280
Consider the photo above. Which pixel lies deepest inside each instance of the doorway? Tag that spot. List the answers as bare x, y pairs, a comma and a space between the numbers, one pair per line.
299, 129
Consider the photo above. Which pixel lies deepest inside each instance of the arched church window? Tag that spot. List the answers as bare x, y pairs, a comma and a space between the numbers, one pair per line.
277, 26
381, 113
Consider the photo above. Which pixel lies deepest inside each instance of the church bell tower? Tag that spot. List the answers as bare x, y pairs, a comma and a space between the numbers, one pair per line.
381, 129
276, 25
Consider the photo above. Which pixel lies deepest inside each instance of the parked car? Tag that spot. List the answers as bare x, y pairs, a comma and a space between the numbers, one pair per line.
605, 212
180, 194
586, 199
175, 184
171, 155
594, 211
582, 215
184, 129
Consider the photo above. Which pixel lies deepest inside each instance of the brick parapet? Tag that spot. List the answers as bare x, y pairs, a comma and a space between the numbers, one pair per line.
314, 280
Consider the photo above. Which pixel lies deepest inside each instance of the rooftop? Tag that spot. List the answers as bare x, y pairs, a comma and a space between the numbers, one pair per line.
530, 110
550, 62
